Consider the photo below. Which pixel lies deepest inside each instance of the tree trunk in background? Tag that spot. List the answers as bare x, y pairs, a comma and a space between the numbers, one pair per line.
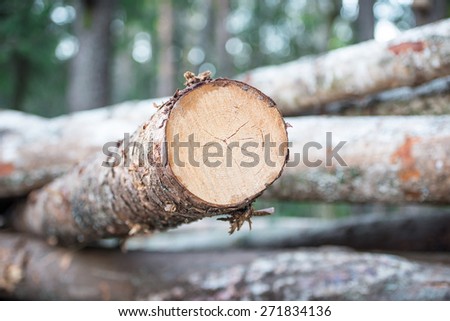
365, 24
32, 270
21, 67
223, 62
166, 70
155, 186
432, 98
427, 11
89, 76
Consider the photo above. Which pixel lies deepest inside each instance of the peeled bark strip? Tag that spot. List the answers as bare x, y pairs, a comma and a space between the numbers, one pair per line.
415, 57
384, 159
30, 269
154, 186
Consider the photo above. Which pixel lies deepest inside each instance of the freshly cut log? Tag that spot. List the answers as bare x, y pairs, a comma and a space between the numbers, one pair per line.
32, 270
164, 175
414, 57
387, 159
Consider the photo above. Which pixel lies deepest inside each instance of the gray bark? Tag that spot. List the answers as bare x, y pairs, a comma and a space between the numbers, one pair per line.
432, 98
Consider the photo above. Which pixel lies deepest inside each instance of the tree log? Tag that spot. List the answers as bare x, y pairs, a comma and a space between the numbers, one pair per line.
384, 159
426, 230
432, 98
66, 140
415, 57
153, 184
384, 155
408, 228
30, 269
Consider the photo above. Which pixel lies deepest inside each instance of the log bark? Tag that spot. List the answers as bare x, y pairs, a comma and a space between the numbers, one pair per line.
384, 159
432, 98
30, 269
151, 185
415, 57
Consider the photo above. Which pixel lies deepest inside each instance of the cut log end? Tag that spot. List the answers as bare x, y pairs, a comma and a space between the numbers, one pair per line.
226, 141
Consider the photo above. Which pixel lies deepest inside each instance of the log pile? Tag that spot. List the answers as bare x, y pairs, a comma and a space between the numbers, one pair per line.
385, 138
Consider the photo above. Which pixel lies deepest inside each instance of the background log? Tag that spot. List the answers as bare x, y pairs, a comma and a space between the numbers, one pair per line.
432, 98
416, 56
34, 150
30, 269
420, 230
389, 159
408, 228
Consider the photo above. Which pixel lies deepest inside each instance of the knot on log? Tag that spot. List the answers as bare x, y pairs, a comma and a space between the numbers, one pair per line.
192, 79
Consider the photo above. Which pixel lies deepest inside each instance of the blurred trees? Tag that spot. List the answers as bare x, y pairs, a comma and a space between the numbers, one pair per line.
95, 52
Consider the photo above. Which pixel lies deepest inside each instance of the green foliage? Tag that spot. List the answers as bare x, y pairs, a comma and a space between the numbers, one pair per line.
27, 42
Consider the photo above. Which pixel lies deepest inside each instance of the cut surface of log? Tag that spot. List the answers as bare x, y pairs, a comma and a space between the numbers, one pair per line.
138, 190
222, 117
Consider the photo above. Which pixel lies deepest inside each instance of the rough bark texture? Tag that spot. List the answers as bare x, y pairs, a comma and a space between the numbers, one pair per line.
30, 269
415, 57
385, 159
89, 77
139, 193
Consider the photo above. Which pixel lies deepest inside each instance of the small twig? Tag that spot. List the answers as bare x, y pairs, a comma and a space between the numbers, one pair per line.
192, 79
237, 219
